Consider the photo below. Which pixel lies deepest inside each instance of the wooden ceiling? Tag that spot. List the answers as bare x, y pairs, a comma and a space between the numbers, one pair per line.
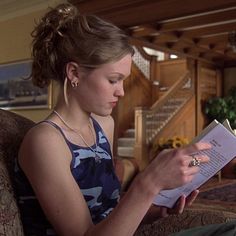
199, 29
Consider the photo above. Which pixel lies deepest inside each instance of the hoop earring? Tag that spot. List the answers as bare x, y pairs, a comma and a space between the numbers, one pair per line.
65, 91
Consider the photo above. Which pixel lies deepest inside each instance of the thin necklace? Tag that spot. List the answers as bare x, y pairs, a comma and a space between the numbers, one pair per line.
96, 157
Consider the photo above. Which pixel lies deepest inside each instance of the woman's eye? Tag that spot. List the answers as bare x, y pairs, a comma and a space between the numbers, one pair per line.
113, 81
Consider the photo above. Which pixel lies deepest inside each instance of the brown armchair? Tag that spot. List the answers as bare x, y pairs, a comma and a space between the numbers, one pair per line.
12, 131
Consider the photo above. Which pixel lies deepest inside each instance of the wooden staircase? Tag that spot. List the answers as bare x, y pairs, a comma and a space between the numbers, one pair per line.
164, 109
146, 112
163, 99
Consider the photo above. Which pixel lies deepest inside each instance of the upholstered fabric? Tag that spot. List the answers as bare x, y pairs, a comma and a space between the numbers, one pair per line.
189, 219
10, 223
12, 131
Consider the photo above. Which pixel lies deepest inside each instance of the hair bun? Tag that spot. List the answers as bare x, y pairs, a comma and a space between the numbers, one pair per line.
57, 19
66, 12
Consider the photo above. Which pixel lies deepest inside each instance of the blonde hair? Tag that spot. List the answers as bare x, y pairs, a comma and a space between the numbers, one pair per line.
64, 35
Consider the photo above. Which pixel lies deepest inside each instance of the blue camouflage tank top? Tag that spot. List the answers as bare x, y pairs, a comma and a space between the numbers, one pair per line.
96, 179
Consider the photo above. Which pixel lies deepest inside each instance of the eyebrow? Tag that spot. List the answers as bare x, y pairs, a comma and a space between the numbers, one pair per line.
121, 76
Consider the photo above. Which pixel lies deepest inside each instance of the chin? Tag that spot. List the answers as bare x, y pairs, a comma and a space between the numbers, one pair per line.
106, 114
102, 113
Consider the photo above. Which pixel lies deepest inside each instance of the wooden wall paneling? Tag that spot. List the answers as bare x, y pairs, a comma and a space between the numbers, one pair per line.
191, 67
198, 99
137, 93
219, 83
209, 84
170, 71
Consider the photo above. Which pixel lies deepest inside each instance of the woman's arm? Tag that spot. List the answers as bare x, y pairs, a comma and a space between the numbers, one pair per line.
45, 159
154, 212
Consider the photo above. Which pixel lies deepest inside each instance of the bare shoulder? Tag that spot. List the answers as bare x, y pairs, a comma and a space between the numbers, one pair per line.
41, 131
41, 142
41, 134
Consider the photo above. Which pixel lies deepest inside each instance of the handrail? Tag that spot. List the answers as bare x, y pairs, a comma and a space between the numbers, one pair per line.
143, 53
178, 84
147, 125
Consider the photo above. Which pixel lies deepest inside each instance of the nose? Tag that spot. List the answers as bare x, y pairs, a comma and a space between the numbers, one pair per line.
120, 89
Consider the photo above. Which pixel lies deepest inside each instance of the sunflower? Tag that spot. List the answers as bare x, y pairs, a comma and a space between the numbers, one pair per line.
167, 143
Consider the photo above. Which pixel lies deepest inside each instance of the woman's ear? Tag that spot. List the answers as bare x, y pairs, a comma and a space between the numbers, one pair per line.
72, 73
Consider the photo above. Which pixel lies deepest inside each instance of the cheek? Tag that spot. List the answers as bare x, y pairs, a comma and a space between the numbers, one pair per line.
96, 95
96, 92
103, 90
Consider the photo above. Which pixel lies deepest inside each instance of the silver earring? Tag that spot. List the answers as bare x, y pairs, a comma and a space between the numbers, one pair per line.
74, 84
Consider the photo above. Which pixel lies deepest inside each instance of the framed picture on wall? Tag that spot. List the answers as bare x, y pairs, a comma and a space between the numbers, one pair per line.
17, 90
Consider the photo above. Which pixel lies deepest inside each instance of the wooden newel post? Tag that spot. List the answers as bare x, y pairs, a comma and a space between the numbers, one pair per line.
153, 68
154, 78
140, 146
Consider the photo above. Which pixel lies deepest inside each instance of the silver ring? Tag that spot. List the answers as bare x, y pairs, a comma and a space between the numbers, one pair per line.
194, 162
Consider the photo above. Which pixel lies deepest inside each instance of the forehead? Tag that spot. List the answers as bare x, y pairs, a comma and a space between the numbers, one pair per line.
122, 66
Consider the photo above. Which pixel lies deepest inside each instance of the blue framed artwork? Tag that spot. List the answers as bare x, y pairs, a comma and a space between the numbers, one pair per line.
17, 90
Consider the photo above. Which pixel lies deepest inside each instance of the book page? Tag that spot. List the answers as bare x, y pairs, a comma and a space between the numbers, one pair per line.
223, 151
227, 126
212, 125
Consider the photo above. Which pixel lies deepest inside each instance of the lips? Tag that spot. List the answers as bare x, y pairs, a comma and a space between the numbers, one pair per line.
113, 104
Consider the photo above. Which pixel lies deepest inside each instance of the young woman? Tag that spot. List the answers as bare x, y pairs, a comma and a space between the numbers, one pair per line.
65, 175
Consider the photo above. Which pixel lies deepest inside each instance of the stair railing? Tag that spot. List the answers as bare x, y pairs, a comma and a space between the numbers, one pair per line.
146, 121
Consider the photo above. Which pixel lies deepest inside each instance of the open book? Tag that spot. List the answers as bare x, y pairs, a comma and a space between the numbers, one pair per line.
223, 141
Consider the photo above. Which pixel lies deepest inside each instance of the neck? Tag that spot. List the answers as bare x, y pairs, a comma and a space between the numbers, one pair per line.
72, 114
97, 159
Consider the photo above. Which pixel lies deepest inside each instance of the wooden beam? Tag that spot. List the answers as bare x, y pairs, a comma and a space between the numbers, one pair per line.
215, 39
164, 48
199, 21
171, 37
143, 30
218, 29
185, 42
135, 12
198, 29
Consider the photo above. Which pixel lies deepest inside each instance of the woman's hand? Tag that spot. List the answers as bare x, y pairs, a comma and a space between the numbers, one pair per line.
180, 205
155, 212
171, 169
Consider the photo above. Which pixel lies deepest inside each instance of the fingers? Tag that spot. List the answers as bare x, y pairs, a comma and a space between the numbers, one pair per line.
182, 203
202, 158
191, 198
197, 158
176, 161
194, 148
164, 212
179, 206
193, 156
